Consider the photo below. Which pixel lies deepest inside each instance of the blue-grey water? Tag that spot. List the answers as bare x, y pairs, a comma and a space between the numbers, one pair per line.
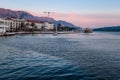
79, 56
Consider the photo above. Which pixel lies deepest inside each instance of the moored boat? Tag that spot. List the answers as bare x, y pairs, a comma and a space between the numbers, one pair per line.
88, 30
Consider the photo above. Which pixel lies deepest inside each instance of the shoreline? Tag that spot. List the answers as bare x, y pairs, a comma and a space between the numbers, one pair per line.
19, 33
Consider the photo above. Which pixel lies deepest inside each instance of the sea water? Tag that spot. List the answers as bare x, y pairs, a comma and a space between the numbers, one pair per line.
79, 56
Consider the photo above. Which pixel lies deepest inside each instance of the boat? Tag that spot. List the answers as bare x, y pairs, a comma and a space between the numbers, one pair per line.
88, 30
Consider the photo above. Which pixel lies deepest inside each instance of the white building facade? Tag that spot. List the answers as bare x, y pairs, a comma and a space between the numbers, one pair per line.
17, 24
40, 25
48, 25
13, 24
3, 29
4, 23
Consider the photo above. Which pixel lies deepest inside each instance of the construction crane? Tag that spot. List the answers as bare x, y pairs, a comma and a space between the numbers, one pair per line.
48, 14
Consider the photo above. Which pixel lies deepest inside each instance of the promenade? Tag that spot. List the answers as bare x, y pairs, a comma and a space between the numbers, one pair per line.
36, 32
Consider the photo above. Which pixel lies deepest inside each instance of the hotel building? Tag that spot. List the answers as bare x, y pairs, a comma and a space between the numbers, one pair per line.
17, 24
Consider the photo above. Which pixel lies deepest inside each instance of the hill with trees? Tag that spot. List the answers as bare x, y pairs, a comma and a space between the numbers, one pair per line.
113, 28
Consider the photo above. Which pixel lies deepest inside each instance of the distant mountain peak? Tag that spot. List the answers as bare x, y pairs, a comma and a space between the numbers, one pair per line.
8, 13
20, 14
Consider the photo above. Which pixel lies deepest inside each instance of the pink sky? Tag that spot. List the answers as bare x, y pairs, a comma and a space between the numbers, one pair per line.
85, 20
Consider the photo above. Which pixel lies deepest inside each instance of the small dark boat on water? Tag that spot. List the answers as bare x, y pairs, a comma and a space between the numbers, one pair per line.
88, 30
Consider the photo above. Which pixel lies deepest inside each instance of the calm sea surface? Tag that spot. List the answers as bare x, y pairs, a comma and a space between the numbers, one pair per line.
79, 56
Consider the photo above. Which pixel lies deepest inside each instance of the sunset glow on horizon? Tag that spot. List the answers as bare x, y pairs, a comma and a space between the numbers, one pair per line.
84, 20
83, 13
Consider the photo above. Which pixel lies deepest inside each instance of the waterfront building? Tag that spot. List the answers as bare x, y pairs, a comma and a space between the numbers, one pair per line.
15, 24
34, 24
3, 29
48, 25
4, 23
40, 24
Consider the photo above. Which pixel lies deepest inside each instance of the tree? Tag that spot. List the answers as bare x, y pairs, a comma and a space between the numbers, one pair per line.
32, 24
22, 25
59, 27
27, 24
43, 28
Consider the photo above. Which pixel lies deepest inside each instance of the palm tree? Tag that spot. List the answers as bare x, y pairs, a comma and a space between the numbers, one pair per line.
59, 27
33, 25
43, 28
22, 25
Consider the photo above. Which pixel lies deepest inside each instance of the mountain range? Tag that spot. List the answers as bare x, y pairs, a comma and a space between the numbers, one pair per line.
112, 28
7, 13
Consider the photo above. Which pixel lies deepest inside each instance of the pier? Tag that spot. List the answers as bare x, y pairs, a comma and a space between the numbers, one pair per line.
7, 34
